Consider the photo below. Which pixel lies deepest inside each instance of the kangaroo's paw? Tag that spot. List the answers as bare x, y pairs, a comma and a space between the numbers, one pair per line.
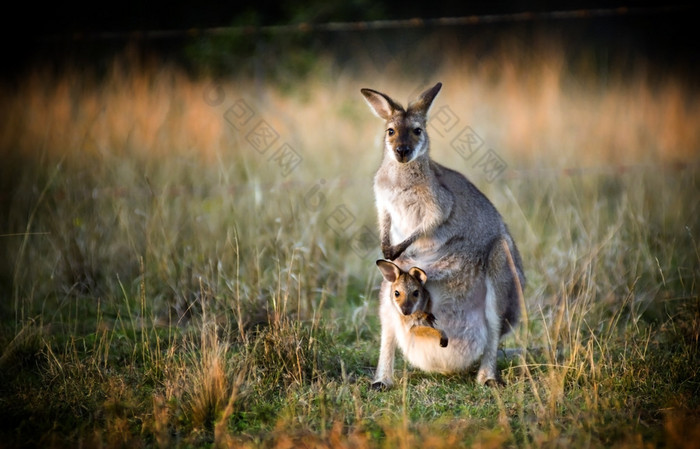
393, 252
382, 385
495, 383
490, 379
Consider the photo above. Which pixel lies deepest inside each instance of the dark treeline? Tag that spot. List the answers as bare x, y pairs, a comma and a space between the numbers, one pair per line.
74, 33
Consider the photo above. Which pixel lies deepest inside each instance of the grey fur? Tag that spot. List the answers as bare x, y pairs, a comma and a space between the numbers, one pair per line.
432, 217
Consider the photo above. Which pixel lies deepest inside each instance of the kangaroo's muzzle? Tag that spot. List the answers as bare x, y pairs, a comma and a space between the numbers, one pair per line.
403, 153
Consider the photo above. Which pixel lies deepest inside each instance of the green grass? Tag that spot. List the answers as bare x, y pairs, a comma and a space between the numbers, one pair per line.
182, 292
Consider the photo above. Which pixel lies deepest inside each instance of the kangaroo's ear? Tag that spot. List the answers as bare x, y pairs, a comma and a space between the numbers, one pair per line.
418, 274
389, 270
422, 104
383, 106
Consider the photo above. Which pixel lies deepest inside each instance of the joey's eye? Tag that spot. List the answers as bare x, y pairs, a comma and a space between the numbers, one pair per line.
417, 131
390, 131
396, 293
415, 293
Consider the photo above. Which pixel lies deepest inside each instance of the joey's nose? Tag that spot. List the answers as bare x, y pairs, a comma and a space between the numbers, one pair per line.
406, 310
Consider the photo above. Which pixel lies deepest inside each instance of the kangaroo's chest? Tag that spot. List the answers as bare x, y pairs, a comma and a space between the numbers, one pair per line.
410, 208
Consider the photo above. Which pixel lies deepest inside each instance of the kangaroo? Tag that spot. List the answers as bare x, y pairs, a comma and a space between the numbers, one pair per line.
412, 301
433, 217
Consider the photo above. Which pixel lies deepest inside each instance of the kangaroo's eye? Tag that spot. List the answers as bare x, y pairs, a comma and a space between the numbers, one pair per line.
415, 293
417, 131
396, 293
390, 131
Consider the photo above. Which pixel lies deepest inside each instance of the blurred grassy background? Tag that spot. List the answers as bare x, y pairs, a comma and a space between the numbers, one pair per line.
172, 279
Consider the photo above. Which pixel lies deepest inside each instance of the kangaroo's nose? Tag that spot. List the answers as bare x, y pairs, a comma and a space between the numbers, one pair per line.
402, 151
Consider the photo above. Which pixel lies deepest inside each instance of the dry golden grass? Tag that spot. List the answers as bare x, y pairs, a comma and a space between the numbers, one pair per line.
534, 109
170, 286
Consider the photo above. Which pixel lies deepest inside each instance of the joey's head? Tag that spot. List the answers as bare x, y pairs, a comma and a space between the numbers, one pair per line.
405, 136
407, 288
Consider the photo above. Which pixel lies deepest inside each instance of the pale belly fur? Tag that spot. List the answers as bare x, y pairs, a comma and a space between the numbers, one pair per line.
464, 324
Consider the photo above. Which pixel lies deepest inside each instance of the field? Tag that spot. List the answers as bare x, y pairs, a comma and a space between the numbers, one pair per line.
189, 261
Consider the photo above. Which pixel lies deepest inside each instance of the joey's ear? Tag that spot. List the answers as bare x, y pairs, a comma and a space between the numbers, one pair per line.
389, 270
418, 274
383, 106
422, 104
